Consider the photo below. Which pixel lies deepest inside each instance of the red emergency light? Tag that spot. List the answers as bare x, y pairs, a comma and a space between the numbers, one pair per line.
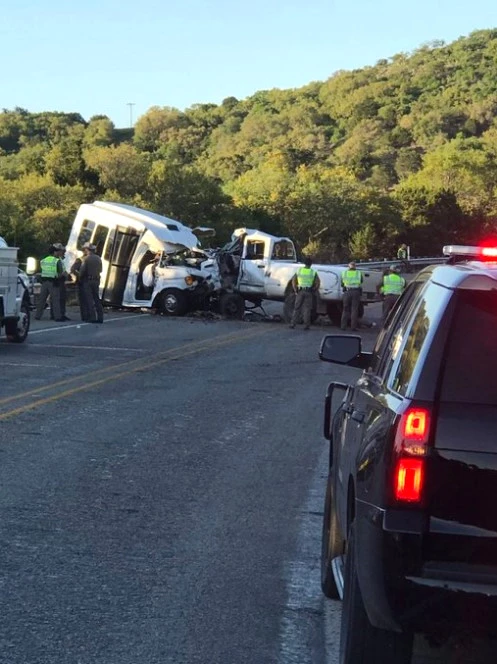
489, 252
486, 252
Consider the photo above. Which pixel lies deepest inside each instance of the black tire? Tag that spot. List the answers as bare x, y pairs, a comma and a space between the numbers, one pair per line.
173, 302
332, 543
17, 331
232, 306
288, 307
360, 642
334, 311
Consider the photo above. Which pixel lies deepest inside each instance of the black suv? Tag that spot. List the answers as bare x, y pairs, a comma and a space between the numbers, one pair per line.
410, 519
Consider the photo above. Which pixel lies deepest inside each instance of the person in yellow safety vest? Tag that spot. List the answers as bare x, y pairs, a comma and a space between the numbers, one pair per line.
352, 291
305, 283
402, 252
392, 288
51, 272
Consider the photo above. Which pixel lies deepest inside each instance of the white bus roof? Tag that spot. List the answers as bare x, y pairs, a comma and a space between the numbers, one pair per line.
165, 229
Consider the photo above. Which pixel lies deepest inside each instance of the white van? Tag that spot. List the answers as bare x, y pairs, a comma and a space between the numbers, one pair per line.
147, 260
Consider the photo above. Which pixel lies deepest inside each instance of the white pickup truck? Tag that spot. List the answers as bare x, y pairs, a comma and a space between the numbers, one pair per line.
257, 266
15, 301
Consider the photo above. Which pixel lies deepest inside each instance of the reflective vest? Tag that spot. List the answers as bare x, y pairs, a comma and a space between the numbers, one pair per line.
393, 284
49, 267
352, 278
305, 277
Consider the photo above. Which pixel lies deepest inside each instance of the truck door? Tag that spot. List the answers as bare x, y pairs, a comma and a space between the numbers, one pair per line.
121, 254
252, 277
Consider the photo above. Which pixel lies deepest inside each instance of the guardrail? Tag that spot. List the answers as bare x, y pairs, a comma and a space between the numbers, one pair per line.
408, 266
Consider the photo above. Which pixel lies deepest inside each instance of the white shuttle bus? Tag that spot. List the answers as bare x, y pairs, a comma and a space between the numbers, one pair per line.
148, 260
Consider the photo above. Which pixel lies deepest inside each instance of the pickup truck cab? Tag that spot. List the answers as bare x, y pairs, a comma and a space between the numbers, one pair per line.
262, 267
410, 525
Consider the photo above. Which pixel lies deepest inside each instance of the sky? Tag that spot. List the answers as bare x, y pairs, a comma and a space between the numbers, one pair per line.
120, 58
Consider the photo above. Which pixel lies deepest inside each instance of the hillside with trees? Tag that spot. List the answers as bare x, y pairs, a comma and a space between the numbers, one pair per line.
402, 151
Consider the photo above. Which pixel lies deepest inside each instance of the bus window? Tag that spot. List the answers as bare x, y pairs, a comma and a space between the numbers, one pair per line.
85, 233
99, 237
110, 243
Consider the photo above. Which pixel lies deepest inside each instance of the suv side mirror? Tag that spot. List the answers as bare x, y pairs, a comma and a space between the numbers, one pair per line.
344, 349
31, 265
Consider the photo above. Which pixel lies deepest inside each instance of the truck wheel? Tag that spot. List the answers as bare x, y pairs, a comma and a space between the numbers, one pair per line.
17, 330
332, 544
173, 302
288, 308
360, 642
232, 306
334, 311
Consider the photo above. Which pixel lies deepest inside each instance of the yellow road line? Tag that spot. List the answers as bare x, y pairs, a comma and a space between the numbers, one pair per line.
180, 354
203, 343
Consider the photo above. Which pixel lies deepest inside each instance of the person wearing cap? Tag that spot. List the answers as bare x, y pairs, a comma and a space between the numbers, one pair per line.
391, 288
61, 253
51, 272
305, 284
89, 274
74, 273
352, 290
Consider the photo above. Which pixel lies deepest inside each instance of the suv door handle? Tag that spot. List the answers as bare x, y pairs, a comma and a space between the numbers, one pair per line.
358, 416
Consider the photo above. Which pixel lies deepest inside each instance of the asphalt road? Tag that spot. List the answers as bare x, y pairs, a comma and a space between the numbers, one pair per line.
161, 494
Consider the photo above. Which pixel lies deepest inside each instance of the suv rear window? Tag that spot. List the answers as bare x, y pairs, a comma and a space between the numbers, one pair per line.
470, 374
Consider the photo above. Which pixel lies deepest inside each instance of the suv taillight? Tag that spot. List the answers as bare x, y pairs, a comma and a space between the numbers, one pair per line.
410, 450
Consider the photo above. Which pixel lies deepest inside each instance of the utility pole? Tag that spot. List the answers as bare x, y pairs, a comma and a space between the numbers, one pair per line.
130, 104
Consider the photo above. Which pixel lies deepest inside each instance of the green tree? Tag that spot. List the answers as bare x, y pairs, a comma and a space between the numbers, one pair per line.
432, 218
99, 132
121, 168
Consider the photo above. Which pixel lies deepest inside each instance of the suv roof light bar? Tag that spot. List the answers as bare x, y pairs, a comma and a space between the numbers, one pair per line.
473, 252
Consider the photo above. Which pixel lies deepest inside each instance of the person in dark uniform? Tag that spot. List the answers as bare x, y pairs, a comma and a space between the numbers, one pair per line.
74, 272
89, 274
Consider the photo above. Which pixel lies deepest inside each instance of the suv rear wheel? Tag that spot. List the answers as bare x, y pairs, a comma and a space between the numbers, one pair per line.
360, 642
